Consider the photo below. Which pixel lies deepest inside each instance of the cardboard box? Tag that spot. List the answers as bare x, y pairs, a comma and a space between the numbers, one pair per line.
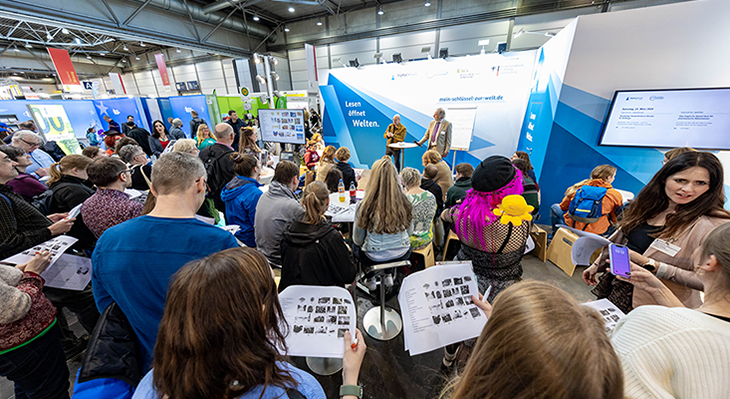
539, 236
560, 248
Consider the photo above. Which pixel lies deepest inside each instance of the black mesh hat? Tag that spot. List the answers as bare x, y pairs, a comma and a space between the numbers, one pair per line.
492, 174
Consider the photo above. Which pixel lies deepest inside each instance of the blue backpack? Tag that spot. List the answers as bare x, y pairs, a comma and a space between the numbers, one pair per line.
587, 205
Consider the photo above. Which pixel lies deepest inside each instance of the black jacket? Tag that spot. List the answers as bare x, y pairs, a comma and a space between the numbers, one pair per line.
315, 255
68, 192
218, 165
142, 137
435, 189
194, 124
138, 177
236, 131
348, 174
113, 350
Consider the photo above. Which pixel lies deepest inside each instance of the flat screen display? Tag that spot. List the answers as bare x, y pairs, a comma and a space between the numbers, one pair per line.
282, 125
697, 118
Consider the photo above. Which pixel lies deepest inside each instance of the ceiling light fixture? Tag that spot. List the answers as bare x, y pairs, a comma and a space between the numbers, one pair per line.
427, 4
16, 49
142, 44
319, 22
286, 29
102, 54
136, 58
88, 56
177, 50
28, 45
77, 41
256, 17
64, 31
380, 10
49, 36
125, 48
123, 60
291, 9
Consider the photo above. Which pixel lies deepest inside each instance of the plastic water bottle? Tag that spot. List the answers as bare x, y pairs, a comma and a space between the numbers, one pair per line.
341, 190
353, 192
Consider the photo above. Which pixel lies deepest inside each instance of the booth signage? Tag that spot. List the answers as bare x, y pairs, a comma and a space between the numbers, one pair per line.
181, 86
244, 91
55, 125
193, 85
160, 58
64, 66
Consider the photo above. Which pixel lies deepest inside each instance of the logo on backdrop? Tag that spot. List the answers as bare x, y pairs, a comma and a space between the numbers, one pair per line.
656, 98
634, 98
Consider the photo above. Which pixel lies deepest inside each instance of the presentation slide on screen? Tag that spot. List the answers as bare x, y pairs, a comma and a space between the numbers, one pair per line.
282, 125
693, 118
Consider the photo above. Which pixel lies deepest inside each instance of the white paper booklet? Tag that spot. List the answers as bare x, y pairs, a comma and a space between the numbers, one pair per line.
65, 271
318, 318
608, 311
437, 307
584, 246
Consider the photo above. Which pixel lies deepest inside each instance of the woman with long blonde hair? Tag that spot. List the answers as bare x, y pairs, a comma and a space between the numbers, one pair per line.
313, 252
204, 137
539, 343
383, 218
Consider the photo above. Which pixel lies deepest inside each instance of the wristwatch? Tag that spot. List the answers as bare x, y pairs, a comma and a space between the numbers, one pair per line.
354, 390
651, 265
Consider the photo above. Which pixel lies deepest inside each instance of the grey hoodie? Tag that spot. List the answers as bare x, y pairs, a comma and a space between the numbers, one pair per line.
275, 209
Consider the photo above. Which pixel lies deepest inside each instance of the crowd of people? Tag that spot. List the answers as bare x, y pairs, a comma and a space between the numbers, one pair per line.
197, 306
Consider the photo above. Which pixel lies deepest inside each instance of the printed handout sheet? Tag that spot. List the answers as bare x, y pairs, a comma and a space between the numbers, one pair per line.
610, 313
318, 318
438, 309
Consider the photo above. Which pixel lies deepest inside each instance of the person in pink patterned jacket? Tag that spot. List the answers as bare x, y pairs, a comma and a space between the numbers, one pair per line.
31, 354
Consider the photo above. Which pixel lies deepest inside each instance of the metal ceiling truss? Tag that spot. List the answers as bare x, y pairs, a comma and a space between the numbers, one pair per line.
510, 12
97, 27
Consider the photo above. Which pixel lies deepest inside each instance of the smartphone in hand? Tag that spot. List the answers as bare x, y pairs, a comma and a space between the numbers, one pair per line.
620, 264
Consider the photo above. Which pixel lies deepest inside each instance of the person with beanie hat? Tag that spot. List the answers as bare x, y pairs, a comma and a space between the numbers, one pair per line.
494, 248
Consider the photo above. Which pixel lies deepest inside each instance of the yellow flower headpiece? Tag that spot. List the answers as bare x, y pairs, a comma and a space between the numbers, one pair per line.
514, 209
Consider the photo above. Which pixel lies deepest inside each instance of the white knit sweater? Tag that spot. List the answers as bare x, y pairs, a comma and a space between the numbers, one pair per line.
673, 353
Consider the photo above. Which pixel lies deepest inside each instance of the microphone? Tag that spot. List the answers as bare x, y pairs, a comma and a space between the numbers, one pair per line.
417, 143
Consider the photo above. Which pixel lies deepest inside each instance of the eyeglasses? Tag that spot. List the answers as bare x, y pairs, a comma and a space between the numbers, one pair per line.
38, 144
207, 187
125, 171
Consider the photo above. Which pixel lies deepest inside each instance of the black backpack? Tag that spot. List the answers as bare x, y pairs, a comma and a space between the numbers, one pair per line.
44, 201
211, 168
196, 123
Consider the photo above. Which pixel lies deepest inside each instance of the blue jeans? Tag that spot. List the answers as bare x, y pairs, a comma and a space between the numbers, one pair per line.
556, 217
38, 369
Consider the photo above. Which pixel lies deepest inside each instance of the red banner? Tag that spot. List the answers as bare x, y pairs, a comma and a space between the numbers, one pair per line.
160, 58
64, 66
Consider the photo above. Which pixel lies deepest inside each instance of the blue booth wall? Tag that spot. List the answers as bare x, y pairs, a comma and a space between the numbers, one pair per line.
601, 60
181, 106
119, 108
81, 113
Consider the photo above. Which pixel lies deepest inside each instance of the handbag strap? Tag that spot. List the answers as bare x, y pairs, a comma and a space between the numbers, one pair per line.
141, 169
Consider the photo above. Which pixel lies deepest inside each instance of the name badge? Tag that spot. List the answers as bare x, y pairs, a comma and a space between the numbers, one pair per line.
665, 247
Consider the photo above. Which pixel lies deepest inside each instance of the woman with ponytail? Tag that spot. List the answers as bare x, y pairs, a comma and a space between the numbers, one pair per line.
242, 194
313, 252
71, 187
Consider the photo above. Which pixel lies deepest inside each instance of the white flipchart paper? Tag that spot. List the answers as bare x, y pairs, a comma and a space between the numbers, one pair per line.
437, 307
318, 318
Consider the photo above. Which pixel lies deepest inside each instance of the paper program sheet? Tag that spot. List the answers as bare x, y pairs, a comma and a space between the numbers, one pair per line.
318, 318
584, 246
608, 311
65, 271
437, 307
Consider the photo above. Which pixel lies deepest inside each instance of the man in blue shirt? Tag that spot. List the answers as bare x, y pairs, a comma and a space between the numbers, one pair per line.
31, 143
134, 261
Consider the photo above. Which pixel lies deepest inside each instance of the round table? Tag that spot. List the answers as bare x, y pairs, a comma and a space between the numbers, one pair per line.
402, 146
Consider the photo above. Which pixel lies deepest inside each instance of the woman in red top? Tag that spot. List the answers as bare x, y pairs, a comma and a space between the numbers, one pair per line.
601, 176
311, 157
31, 354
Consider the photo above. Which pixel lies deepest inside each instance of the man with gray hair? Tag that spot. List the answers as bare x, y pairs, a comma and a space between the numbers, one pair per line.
438, 134
218, 163
176, 130
141, 167
134, 261
31, 143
